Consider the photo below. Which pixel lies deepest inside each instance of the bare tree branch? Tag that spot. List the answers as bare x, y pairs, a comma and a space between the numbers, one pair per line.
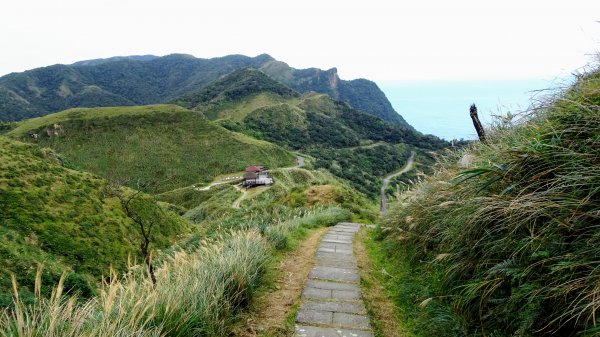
476, 123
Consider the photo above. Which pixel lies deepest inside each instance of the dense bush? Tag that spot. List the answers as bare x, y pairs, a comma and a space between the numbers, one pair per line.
362, 167
507, 241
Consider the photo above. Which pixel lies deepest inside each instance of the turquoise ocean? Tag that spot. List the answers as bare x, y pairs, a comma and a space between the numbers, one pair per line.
442, 108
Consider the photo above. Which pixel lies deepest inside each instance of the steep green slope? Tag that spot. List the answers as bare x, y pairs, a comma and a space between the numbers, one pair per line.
138, 80
356, 146
360, 94
205, 283
234, 86
65, 220
505, 238
164, 145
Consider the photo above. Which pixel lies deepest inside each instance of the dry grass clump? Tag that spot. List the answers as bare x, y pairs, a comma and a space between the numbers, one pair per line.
510, 244
197, 294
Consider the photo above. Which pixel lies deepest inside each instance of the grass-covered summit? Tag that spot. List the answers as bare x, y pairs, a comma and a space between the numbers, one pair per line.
165, 145
504, 240
235, 86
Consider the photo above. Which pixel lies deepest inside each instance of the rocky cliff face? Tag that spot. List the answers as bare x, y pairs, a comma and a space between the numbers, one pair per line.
361, 94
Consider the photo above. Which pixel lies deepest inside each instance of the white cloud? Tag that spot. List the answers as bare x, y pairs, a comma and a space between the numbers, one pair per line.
378, 39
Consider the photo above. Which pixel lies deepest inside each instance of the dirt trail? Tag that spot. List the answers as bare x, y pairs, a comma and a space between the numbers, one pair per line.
238, 201
299, 161
208, 187
369, 146
386, 179
271, 308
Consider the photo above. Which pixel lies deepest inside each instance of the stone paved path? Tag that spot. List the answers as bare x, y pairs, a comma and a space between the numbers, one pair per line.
332, 304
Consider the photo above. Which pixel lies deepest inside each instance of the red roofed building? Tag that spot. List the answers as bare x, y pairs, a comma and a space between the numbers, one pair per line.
255, 176
255, 169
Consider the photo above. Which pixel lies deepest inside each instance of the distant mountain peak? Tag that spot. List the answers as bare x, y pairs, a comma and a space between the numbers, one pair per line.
264, 58
113, 59
234, 86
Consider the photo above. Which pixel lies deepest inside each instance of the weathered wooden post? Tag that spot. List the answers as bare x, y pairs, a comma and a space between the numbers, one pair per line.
477, 123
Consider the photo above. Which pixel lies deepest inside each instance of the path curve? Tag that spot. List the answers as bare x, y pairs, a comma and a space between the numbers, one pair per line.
208, 187
386, 180
238, 201
299, 161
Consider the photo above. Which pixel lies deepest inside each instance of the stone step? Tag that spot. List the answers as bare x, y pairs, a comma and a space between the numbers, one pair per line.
333, 319
330, 285
332, 303
356, 308
328, 294
334, 274
315, 331
336, 263
334, 256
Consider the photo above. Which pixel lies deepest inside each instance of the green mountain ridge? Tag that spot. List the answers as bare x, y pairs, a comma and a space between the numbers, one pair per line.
361, 94
142, 80
166, 145
237, 85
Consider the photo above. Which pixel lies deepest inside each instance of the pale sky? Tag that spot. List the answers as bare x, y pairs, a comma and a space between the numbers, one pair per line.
382, 40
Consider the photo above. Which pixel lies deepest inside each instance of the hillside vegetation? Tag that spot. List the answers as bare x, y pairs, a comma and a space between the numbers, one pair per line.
163, 146
504, 239
65, 220
205, 279
360, 93
142, 80
239, 84
353, 145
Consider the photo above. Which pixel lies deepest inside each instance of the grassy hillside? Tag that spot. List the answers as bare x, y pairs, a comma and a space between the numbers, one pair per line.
63, 219
294, 188
208, 278
341, 139
164, 145
504, 238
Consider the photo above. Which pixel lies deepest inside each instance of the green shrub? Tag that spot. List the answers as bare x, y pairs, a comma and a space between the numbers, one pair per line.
277, 236
78, 284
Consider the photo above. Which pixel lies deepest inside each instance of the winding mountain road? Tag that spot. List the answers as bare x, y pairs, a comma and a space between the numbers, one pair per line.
238, 201
386, 180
